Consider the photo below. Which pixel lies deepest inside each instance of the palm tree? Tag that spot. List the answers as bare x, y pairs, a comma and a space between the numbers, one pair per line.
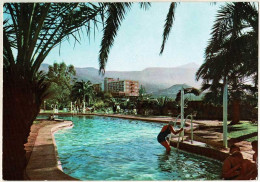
231, 56
83, 91
33, 30
191, 90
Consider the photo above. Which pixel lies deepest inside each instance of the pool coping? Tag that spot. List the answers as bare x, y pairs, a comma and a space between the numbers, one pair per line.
44, 161
154, 119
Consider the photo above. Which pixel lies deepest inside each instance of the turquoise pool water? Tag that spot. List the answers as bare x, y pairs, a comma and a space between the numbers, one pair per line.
101, 148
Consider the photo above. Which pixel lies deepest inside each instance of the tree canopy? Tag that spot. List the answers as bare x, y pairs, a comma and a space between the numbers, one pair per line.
232, 55
61, 78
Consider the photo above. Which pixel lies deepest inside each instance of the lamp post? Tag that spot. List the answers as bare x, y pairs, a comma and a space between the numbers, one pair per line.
225, 113
84, 107
182, 111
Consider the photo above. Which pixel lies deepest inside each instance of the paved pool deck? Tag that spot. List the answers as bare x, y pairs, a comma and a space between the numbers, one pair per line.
43, 162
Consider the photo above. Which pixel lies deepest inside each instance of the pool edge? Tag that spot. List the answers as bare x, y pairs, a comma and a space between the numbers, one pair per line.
44, 162
201, 150
213, 153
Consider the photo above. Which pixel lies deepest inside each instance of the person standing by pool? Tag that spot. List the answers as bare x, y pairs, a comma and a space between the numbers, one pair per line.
255, 149
166, 130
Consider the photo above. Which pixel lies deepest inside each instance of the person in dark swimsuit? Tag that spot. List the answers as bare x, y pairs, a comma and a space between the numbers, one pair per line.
166, 130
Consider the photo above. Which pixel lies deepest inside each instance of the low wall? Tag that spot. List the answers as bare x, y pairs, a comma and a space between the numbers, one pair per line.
201, 150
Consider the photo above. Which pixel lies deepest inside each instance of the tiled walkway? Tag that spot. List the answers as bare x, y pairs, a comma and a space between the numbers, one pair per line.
210, 133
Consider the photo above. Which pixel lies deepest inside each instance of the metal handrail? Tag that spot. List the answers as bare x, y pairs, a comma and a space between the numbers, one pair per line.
179, 133
191, 125
176, 120
178, 141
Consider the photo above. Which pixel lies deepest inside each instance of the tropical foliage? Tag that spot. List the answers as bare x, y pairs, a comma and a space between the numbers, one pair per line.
30, 32
232, 55
83, 92
191, 90
61, 78
142, 92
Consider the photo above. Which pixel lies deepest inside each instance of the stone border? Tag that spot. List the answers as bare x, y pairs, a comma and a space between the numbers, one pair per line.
44, 163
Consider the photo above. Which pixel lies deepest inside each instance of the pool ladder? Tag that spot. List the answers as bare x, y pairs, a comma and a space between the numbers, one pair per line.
191, 128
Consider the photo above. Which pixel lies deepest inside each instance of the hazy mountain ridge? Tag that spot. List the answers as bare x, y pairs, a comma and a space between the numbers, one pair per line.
152, 78
171, 91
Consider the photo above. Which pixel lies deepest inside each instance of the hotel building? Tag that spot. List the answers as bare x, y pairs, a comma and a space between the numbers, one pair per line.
121, 87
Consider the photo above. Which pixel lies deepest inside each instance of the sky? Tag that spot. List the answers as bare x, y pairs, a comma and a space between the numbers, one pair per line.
138, 41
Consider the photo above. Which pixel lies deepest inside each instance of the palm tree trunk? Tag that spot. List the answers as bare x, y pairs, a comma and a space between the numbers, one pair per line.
20, 108
236, 112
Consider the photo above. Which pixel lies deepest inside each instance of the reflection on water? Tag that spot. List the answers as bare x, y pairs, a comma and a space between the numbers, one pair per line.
163, 162
99, 148
182, 166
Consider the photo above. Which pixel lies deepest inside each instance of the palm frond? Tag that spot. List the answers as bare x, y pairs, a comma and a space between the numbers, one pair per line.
145, 5
116, 13
168, 24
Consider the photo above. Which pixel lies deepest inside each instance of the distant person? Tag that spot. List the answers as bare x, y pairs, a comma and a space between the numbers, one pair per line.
117, 109
114, 109
255, 149
237, 168
166, 130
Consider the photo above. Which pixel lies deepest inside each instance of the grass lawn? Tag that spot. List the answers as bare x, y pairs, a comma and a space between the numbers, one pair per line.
245, 130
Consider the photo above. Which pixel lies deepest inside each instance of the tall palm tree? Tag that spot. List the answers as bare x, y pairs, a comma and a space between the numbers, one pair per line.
83, 91
33, 30
231, 56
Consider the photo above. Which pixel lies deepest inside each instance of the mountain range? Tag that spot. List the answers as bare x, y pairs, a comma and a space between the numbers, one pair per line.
171, 91
154, 79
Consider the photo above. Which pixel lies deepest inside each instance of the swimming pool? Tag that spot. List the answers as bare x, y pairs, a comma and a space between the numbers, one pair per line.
102, 148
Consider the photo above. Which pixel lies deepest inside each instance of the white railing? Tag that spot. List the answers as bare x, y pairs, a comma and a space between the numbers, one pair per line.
176, 120
191, 128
